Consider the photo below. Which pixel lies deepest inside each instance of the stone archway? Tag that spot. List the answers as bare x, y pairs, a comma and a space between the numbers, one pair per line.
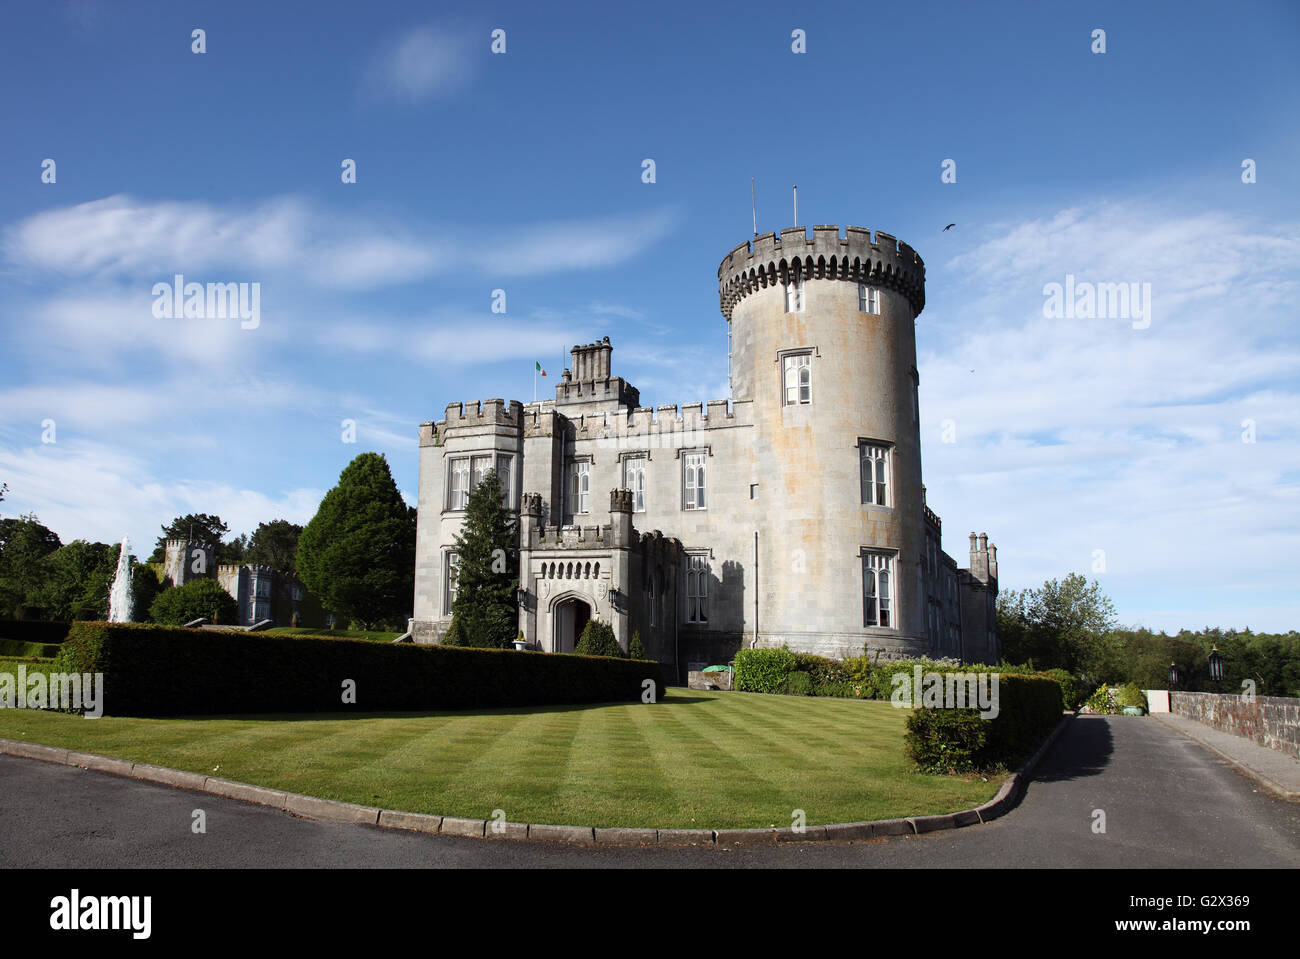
569, 615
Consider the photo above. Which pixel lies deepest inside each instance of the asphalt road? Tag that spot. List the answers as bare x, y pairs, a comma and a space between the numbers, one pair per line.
1168, 802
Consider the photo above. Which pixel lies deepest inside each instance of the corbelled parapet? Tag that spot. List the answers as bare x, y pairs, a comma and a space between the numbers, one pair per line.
772, 260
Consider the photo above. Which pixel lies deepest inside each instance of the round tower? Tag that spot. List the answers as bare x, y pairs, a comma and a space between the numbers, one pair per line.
824, 346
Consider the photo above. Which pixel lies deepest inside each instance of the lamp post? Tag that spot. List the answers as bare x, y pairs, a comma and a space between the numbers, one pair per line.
1216, 666
1173, 675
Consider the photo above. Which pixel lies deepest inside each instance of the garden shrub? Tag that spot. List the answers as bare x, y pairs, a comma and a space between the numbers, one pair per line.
164, 671
958, 740
597, 639
635, 648
1102, 702
200, 598
799, 684
763, 670
840, 690
1130, 695
453, 636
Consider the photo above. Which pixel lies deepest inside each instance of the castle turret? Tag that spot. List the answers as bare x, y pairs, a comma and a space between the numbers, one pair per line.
185, 560
824, 346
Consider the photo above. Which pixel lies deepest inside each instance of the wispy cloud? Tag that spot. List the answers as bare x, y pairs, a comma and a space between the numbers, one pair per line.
1076, 435
121, 236
422, 63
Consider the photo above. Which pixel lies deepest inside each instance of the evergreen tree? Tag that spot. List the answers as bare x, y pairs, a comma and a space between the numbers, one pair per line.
487, 548
202, 528
275, 544
357, 555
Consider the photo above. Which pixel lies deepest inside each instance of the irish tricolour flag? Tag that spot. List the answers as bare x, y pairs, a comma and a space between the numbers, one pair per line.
540, 370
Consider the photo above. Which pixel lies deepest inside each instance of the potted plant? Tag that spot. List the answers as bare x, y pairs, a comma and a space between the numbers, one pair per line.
1132, 701
520, 643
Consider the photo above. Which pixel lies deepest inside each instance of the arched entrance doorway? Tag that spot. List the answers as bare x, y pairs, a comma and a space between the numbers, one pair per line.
571, 616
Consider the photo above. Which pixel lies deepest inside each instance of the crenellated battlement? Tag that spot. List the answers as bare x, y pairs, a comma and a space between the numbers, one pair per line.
571, 537
493, 412
669, 420
856, 257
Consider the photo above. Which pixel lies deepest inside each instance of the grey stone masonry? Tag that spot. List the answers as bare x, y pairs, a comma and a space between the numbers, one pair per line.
791, 513
1270, 721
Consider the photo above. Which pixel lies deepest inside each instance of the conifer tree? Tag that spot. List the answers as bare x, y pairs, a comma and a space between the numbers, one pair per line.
357, 555
488, 552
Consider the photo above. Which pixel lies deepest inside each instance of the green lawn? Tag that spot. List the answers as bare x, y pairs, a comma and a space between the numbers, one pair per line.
375, 636
697, 760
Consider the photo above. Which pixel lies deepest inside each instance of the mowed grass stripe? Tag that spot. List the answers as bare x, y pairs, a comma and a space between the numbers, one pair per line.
702, 760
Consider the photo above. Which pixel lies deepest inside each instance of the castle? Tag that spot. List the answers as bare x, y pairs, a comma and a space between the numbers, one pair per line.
263, 594
792, 514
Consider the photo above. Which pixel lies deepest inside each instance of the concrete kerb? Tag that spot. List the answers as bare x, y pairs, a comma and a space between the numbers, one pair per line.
328, 810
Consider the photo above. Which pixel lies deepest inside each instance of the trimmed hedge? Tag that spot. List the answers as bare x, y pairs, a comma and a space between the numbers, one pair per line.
34, 630
169, 671
764, 670
18, 649
958, 740
597, 639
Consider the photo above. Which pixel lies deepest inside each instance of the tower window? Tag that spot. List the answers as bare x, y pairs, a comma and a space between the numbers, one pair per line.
634, 479
796, 379
874, 469
693, 481
450, 568
877, 589
869, 299
794, 296
697, 589
458, 485
579, 487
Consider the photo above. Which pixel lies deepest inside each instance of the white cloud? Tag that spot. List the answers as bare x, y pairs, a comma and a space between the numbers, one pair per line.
89, 490
423, 63
120, 236
1076, 435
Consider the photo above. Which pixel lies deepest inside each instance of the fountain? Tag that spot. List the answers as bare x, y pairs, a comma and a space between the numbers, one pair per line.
120, 599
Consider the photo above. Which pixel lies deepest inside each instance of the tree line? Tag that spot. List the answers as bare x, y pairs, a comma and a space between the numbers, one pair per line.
1070, 624
356, 556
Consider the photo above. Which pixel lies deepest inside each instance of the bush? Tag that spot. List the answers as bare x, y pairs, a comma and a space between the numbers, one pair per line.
882, 674
820, 669
597, 639
452, 636
763, 670
843, 690
164, 671
635, 649
1130, 695
958, 740
199, 598
1102, 702
799, 684
17, 649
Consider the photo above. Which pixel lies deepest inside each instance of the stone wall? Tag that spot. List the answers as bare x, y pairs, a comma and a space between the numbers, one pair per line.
1269, 720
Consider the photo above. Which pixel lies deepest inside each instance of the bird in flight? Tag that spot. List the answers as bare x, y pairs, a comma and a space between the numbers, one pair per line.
949, 227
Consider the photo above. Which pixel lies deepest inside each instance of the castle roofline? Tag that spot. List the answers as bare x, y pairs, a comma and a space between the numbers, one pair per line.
770, 260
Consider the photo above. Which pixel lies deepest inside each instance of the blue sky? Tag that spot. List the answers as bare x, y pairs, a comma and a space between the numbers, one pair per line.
522, 171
